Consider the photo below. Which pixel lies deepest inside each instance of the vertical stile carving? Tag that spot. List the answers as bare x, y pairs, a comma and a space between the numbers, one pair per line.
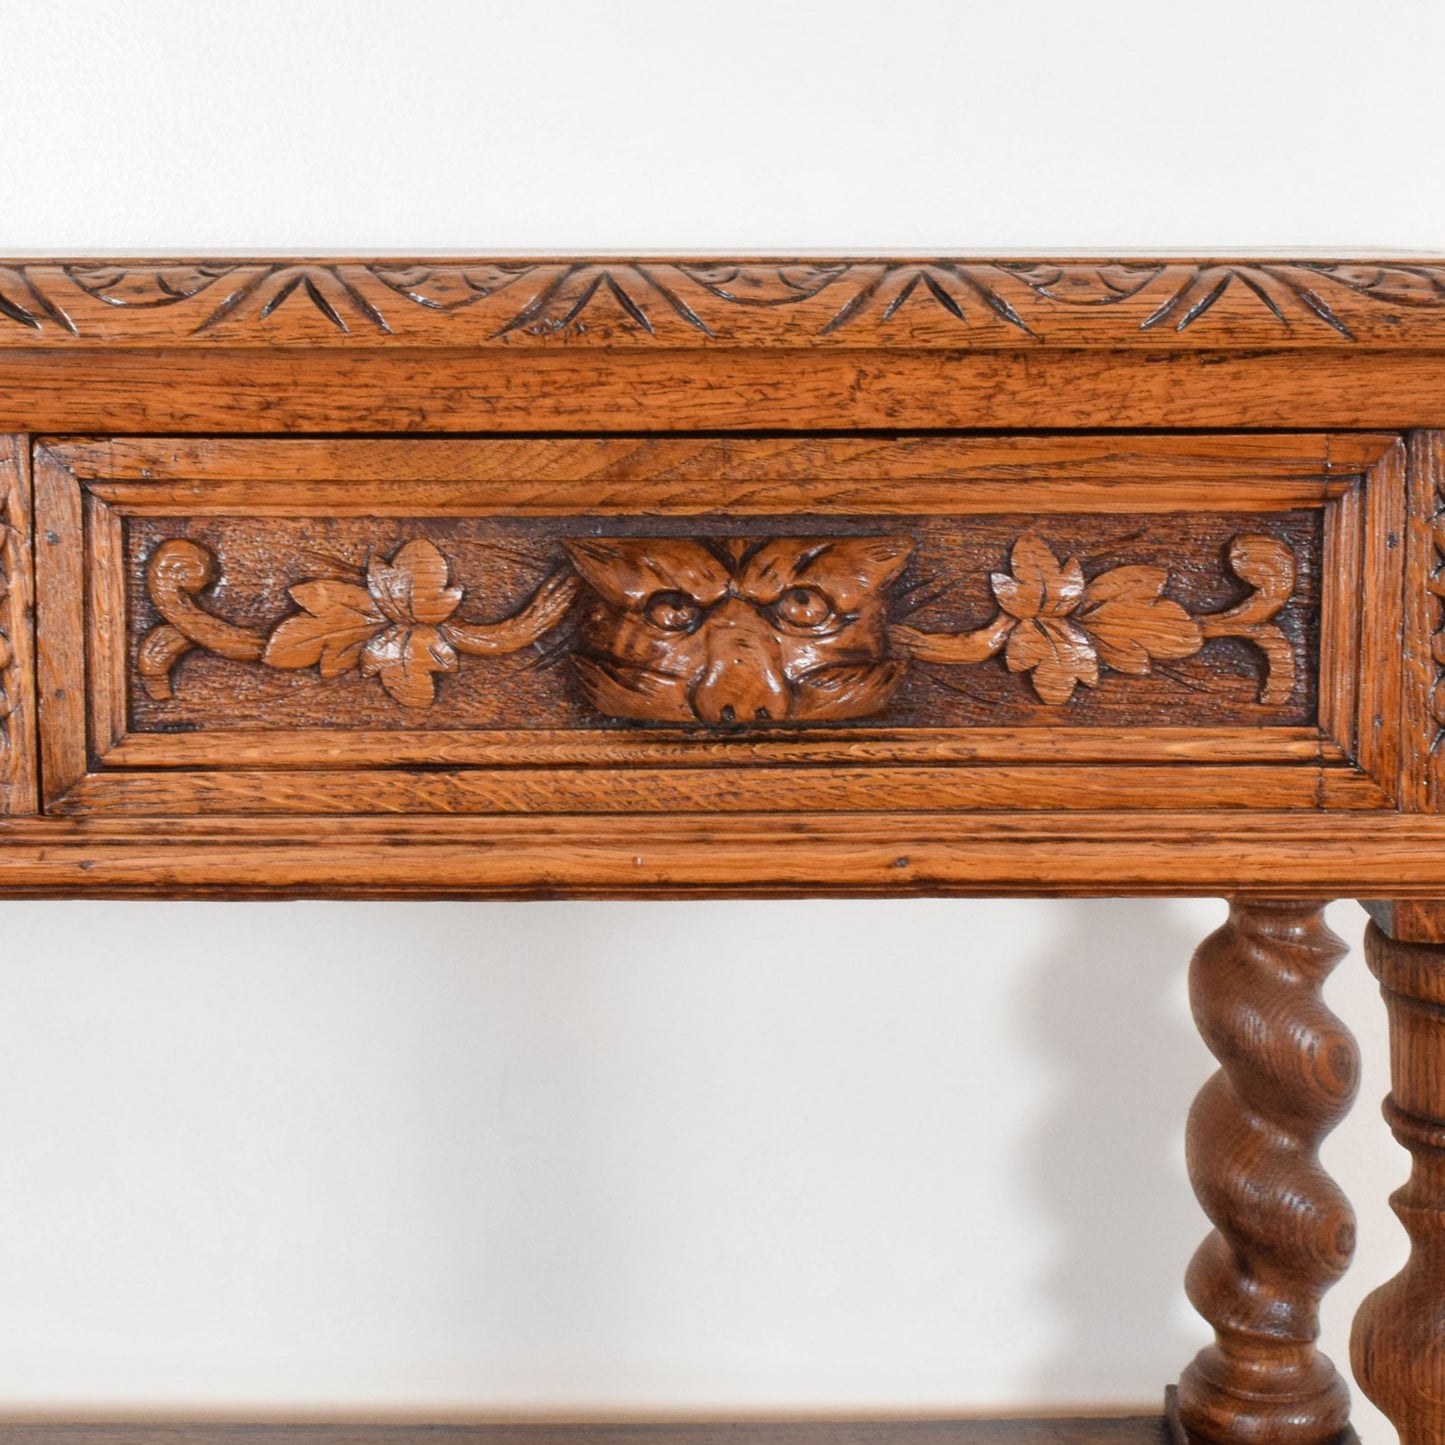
1284, 1231
1398, 1345
1425, 632
17, 703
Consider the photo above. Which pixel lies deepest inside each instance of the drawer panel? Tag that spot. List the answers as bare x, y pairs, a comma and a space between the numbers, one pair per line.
684, 624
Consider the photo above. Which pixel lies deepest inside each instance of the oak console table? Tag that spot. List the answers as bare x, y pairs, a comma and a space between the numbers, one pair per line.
667, 578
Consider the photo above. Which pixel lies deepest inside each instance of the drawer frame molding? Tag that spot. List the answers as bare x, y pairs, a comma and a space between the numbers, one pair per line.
1345, 759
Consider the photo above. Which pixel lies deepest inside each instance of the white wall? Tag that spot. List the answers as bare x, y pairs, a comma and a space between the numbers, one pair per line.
564, 1157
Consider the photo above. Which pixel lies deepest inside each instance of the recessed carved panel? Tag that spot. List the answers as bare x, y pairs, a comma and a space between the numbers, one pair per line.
951, 622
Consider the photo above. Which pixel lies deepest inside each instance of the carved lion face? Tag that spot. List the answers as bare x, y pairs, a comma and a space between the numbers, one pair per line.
730, 631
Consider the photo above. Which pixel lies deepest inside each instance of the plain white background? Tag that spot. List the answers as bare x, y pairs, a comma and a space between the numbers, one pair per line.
651, 1157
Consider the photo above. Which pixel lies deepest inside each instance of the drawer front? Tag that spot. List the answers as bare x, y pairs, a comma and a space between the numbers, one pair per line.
692, 624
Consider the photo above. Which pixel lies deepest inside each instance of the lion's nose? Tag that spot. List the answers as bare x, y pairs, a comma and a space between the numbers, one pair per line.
742, 680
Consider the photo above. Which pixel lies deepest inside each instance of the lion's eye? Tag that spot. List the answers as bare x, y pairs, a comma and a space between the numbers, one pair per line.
672, 611
804, 607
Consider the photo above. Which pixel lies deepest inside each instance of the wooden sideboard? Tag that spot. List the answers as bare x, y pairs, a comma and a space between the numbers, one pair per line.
690, 577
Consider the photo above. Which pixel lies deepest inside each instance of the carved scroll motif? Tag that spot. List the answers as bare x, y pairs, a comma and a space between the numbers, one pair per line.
942, 300
726, 631
399, 627
1060, 629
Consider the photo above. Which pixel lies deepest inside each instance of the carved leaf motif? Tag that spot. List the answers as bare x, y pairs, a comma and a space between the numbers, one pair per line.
1040, 594
412, 587
1083, 285
396, 628
405, 659
449, 288
1131, 622
936, 300
146, 287
1039, 587
764, 285
1064, 628
342, 626
1058, 654
336, 622
1399, 285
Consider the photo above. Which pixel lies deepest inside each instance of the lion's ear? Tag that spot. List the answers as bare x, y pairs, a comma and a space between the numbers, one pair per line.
870, 562
848, 569
626, 571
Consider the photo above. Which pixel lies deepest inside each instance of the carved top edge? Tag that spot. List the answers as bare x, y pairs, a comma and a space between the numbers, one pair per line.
957, 303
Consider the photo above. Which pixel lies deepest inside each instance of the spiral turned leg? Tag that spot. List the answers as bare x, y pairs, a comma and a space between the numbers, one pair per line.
1398, 1345
1284, 1231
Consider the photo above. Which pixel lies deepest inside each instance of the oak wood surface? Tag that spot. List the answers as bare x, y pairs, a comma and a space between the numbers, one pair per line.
659, 348
1398, 1343
18, 750
1299, 854
296, 390
1284, 1233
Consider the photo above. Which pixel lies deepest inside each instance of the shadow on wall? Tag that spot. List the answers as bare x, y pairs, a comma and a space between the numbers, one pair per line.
918, 1155
1106, 1014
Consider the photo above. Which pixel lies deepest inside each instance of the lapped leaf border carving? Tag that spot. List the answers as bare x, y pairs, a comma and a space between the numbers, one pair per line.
939, 302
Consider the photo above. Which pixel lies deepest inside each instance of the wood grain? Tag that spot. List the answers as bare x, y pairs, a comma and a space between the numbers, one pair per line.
1423, 655
553, 475
62, 678
19, 753
296, 389
323, 748
717, 855
271, 537
800, 789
